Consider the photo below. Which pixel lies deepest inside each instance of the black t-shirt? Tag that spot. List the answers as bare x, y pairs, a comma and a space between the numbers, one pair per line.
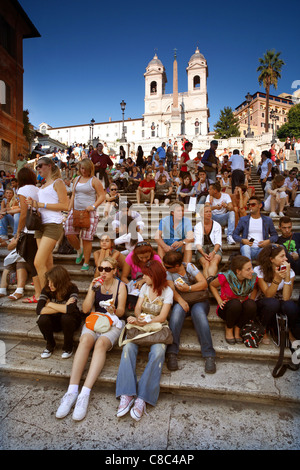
47, 295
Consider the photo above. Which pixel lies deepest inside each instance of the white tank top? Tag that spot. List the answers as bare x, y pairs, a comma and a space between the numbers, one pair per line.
49, 195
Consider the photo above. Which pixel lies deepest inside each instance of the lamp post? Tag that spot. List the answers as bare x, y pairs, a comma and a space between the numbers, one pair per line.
248, 100
274, 118
92, 130
123, 106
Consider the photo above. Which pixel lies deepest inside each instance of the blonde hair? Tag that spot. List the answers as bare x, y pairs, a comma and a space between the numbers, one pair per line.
110, 260
88, 165
55, 171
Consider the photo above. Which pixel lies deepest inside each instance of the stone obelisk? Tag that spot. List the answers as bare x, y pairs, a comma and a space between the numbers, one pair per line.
175, 114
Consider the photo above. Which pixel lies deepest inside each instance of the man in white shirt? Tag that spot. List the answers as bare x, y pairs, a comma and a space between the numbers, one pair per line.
222, 209
291, 185
237, 166
297, 150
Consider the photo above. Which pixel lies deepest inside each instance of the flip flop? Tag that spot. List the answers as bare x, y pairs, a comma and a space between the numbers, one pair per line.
28, 300
15, 296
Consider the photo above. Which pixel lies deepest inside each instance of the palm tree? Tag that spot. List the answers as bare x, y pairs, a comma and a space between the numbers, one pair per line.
269, 73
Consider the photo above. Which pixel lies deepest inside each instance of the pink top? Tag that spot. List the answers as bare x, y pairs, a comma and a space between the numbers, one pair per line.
134, 268
226, 292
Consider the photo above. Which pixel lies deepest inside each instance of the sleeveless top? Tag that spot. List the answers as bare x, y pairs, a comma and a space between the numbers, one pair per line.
49, 195
85, 195
99, 297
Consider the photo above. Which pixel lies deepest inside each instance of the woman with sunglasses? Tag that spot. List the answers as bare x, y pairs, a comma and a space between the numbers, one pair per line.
112, 288
236, 302
88, 194
276, 283
112, 199
52, 200
159, 298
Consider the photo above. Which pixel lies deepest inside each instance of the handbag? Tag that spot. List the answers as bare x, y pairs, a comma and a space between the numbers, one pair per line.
81, 219
281, 339
146, 335
193, 298
252, 333
98, 322
21, 247
33, 219
292, 212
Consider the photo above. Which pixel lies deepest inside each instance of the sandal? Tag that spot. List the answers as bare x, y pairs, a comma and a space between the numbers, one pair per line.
28, 300
15, 296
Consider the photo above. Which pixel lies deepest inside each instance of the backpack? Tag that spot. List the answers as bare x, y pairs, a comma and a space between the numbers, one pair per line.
252, 333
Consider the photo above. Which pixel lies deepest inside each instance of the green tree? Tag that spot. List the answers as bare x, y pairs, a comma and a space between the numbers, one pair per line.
292, 127
269, 73
227, 125
27, 129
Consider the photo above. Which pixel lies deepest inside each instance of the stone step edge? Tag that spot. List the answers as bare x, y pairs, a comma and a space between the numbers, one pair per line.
252, 382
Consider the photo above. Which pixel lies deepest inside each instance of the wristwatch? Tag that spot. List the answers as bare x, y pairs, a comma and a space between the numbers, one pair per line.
94, 207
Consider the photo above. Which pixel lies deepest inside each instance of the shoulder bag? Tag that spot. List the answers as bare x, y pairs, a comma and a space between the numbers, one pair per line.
81, 218
146, 335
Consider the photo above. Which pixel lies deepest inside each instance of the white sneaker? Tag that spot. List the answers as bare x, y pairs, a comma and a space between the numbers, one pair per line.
273, 214
66, 354
125, 404
281, 214
139, 408
66, 404
230, 240
81, 407
46, 353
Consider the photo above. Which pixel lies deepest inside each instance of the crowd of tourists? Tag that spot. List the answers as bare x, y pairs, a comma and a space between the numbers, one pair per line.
135, 287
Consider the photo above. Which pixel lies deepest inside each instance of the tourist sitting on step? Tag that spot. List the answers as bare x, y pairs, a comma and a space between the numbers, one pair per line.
126, 210
236, 301
107, 248
101, 343
121, 178
222, 209
135, 261
135, 177
291, 184
58, 311
201, 187
291, 241
277, 197
254, 231
155, 299
239, 199
174, 176
186, 190
163, 190
146, 189
14, 266
276, 282
112, 199
9, 214
88, 194
208, 242
175, 233
129, 236
188, 284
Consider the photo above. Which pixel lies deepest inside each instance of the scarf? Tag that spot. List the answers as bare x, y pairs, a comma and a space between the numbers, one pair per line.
240, 288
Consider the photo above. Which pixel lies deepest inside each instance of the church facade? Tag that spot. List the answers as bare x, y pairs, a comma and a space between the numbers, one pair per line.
165, 115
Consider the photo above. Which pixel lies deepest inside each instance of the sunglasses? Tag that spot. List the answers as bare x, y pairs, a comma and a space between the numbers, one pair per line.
251, 204
40, 166
106, 269
142, 244
113, 189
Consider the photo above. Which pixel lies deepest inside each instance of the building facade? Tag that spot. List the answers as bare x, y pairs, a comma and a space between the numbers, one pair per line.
14, 27
279, 104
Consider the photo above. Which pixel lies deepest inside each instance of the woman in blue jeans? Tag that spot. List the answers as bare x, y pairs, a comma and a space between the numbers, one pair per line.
155, 299
187, 278
276, 283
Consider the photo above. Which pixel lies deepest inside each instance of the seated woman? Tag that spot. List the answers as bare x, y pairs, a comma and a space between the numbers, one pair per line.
111, 199
58, 311
158, 297
277, 198
175, 176
9, 214
208, 241
236, 303
163, 191
14, 263
225, 181
239, 199
136, 260
107, 248
184, 278
276, 283
186, 190
129, 234
201, 187
135, 178
112, 288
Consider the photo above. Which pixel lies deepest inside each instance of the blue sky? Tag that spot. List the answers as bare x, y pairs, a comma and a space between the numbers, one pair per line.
93, 54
